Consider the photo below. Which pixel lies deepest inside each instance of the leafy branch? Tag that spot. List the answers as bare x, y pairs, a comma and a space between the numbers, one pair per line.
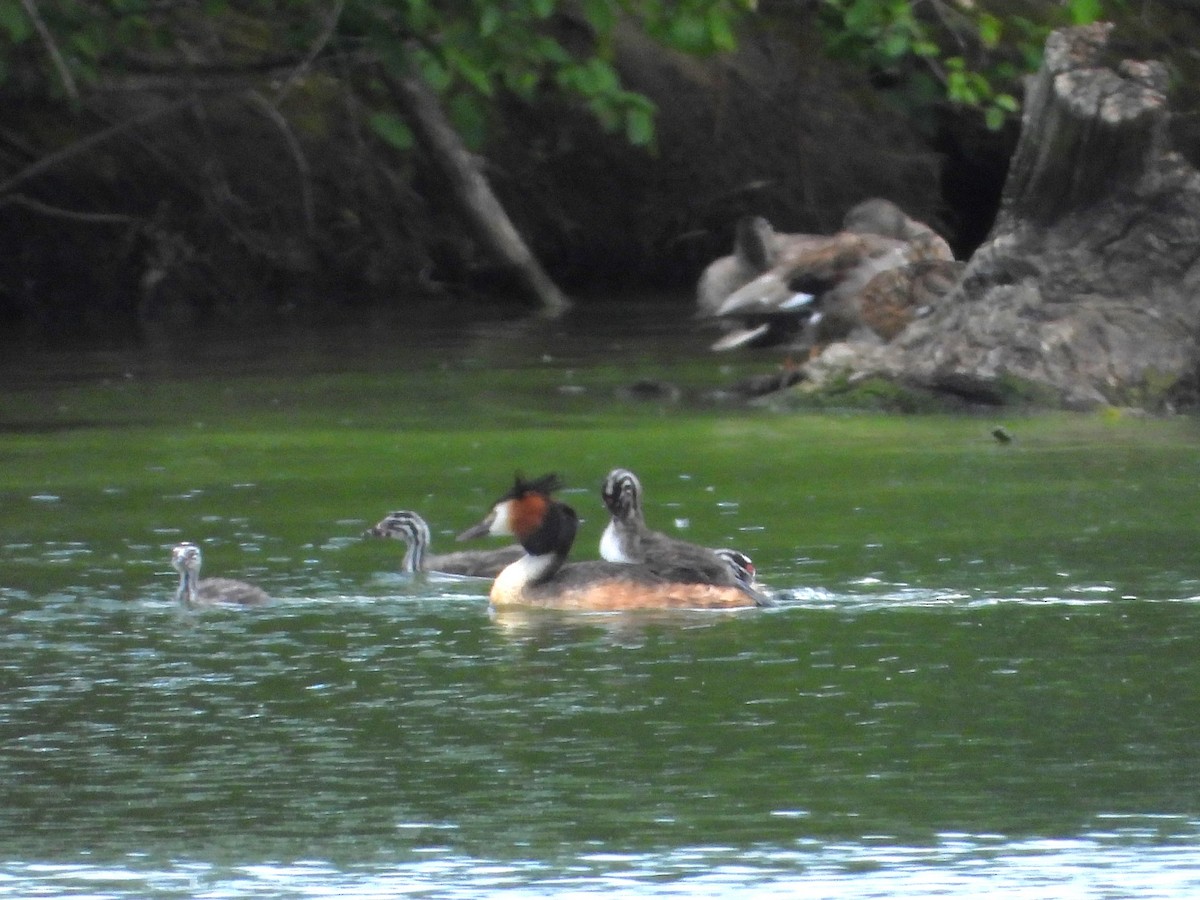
974, 56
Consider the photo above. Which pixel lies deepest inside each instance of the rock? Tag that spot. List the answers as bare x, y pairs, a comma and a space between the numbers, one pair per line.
1084, 293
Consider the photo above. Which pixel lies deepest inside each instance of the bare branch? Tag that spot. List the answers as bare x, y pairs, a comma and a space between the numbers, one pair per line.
64, 73
314, 51
289, 138
57, 212
82, 146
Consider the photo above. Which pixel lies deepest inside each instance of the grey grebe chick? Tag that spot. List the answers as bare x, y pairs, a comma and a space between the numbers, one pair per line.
627, 539
194, 591
542, 577
405, 525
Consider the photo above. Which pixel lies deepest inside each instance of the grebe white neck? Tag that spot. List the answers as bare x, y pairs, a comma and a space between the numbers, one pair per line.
611, 547
187, 587
510, 584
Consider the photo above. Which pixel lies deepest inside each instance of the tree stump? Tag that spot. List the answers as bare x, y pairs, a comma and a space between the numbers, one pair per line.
1087, 291
1088, 128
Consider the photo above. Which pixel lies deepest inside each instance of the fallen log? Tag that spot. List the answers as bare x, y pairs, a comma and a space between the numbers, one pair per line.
471, 191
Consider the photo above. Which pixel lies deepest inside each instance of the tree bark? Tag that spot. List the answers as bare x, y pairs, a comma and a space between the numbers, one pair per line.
1089, 128
471, 191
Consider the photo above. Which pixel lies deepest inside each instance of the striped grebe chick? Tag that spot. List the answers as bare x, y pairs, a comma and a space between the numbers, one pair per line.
542, 577
746, 574
195, 591
406, 525
627, 539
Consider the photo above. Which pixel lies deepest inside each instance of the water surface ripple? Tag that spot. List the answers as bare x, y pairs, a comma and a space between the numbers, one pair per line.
371, 746
981, 677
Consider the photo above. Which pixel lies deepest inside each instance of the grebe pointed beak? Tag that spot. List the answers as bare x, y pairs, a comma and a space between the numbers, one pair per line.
481, 529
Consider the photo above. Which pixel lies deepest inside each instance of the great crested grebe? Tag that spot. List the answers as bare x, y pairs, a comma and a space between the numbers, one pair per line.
542, 577
407, 526
627, 539
194, 591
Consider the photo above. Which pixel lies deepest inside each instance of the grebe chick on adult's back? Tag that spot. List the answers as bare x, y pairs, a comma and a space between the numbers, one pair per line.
194, 591
542, 577
408, 526
627, 539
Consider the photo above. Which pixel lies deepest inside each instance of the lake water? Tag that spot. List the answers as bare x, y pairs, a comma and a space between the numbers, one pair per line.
981, 677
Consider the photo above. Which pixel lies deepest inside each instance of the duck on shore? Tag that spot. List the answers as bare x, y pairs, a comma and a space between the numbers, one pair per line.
871, 278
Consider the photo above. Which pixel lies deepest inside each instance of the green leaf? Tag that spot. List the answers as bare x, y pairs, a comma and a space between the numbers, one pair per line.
392, 129
469, 70
990, 29
432, 69
601, 15
14, 21
550, 50
88, 44
1084, 12
1006, 102
895, 44
469, 118
639, 126
490, 20
720, 31
603, 77
688, 33
959, 88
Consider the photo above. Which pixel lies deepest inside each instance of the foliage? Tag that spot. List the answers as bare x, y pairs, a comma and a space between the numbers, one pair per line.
971, 53
468, 49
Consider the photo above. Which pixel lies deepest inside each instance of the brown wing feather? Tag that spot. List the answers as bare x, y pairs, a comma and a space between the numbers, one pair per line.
229, 590
480, 563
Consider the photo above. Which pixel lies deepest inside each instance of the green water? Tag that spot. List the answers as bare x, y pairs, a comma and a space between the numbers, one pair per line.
981, 675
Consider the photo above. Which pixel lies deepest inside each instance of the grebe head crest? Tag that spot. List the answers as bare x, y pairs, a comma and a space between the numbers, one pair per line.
186, 557
622, 495
523, 487
520, 511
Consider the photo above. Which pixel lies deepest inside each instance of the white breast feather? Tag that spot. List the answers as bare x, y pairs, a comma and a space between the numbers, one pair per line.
510, 584
610, 546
